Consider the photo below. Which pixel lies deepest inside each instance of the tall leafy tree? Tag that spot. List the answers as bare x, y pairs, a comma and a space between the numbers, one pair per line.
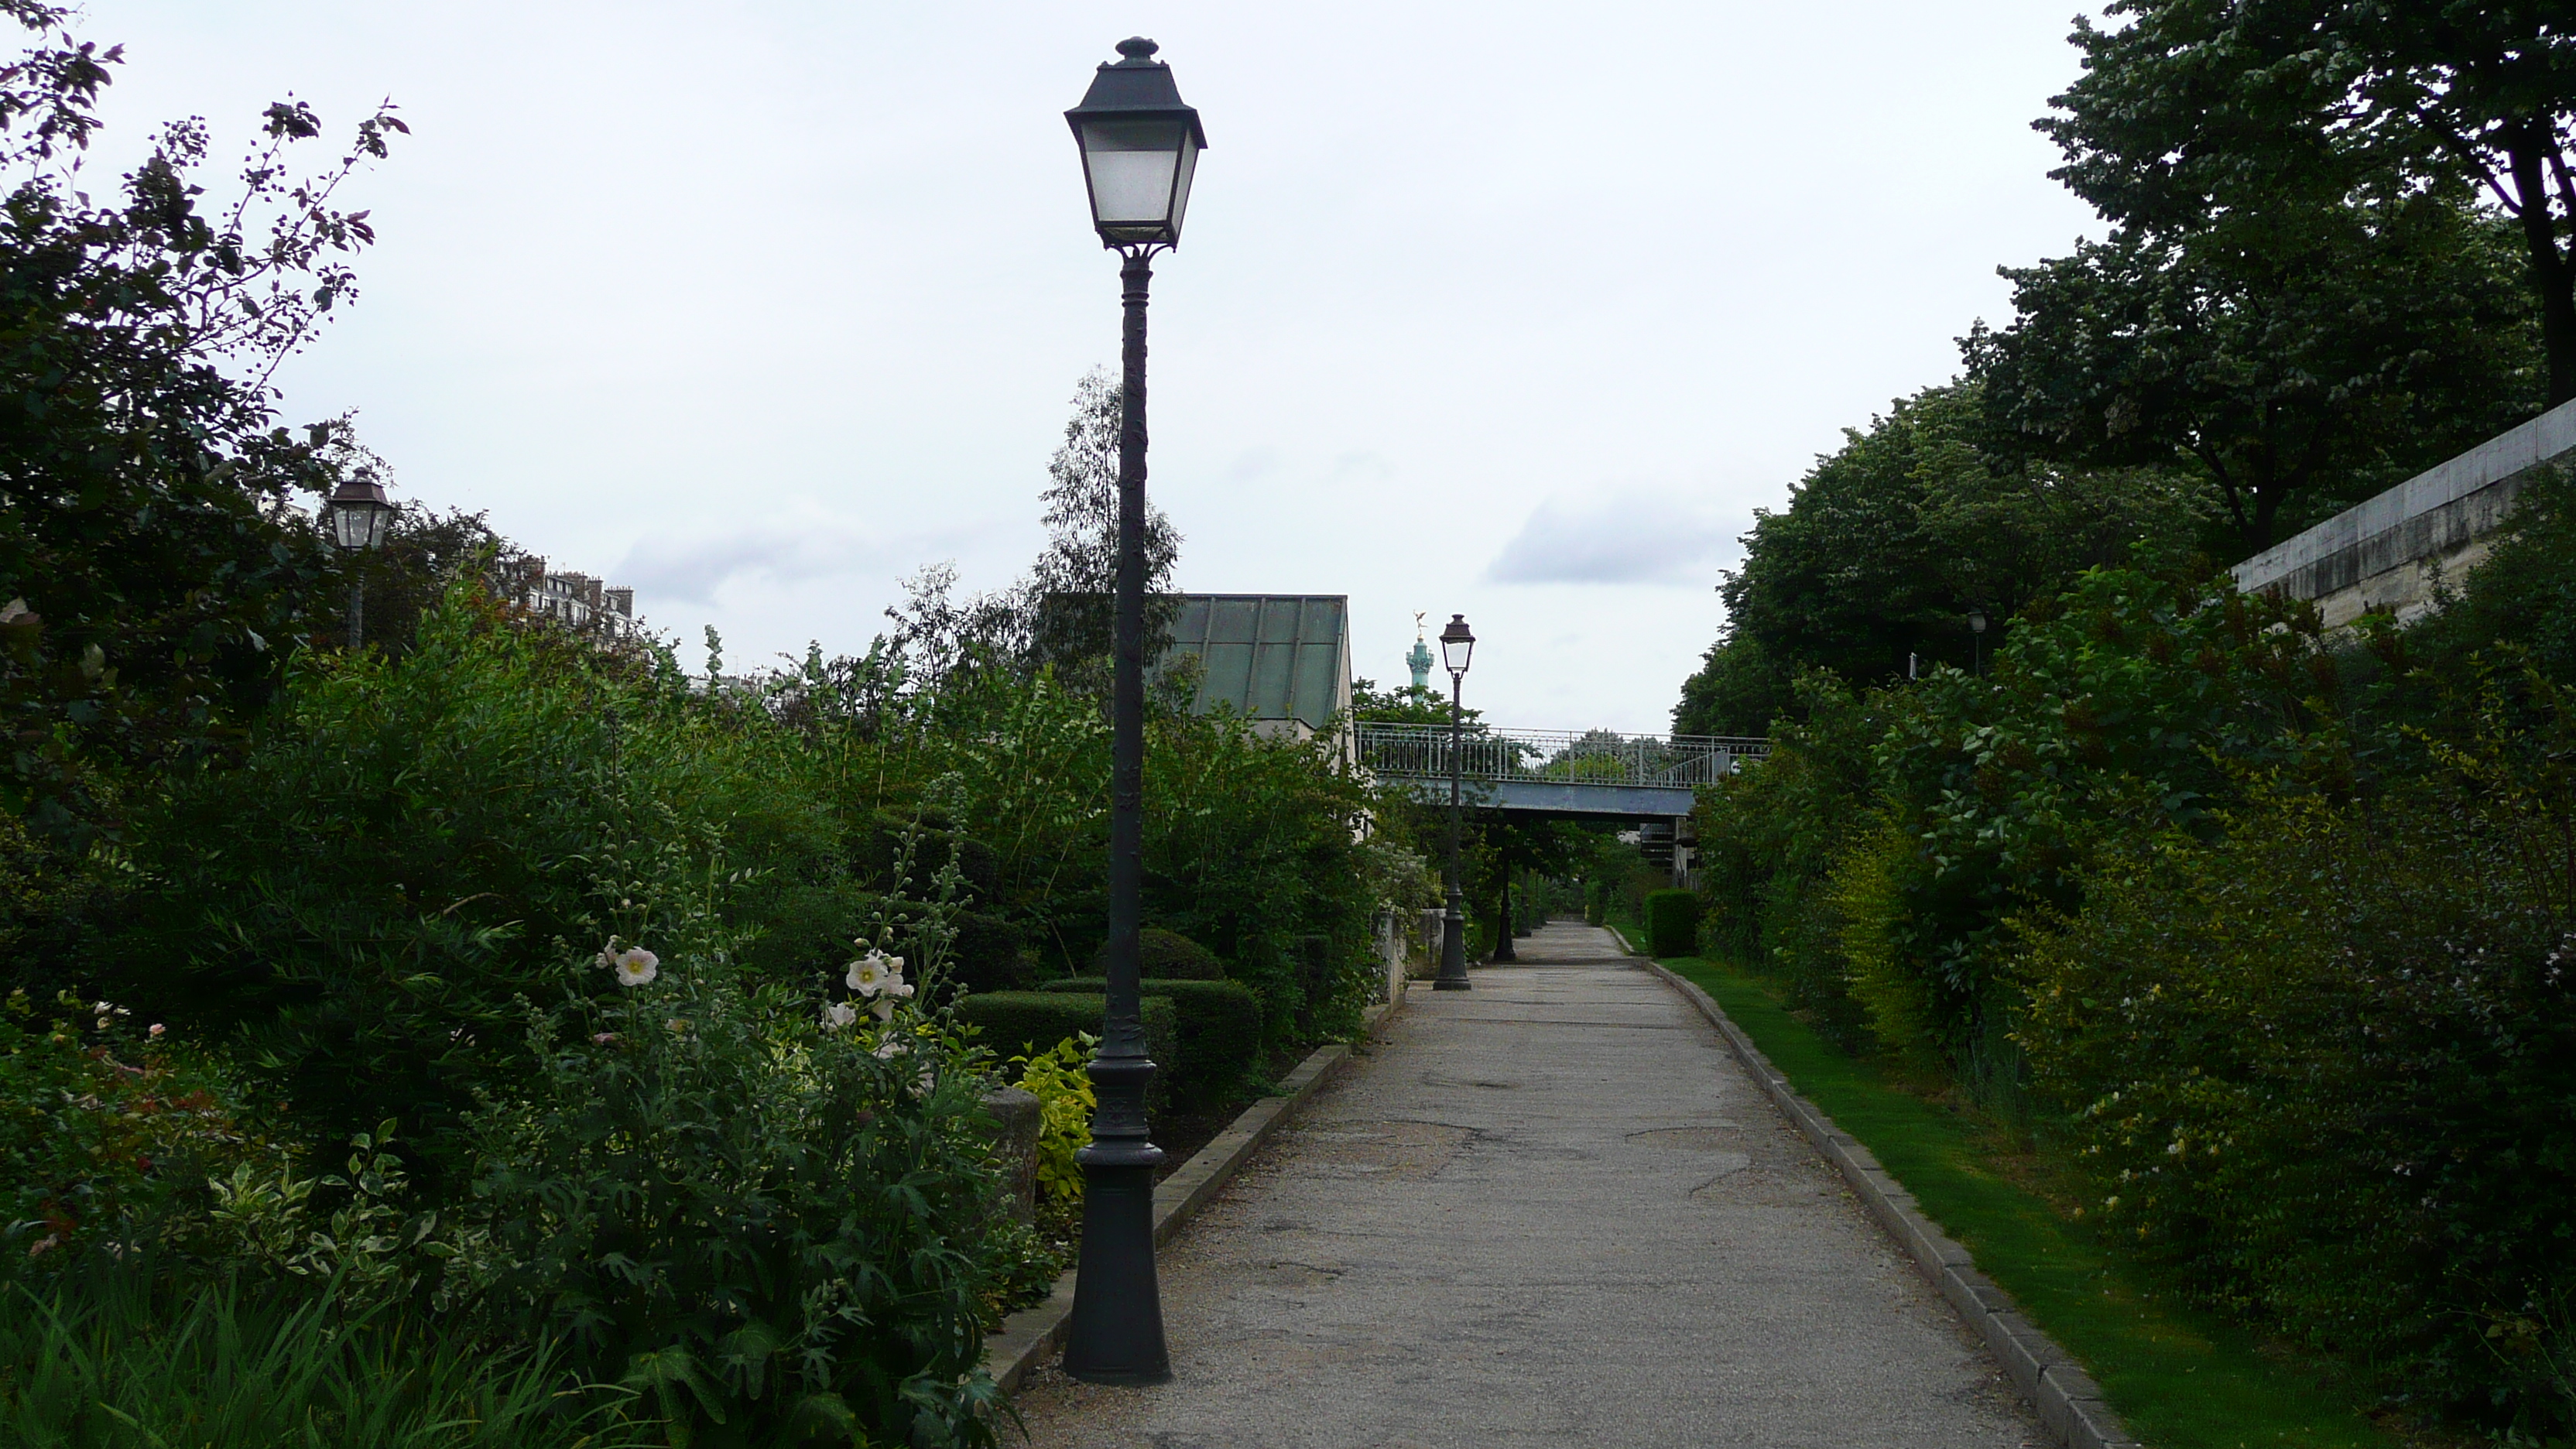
152, 568
2300, 357
2197, 109
1072, 584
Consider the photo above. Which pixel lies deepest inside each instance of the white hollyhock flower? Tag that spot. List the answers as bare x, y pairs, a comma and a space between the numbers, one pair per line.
838, 1015
637, 967
868, 974
890, 1048
883, 1008
606, 960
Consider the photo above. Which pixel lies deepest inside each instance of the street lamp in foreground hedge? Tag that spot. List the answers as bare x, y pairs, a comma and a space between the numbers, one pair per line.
1140, 147
360, 517
1457, 646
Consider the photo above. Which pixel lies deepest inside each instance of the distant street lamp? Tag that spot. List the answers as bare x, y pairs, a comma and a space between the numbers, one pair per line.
1140, 146
1976, 641
1457, 646
1503, 939
360, 517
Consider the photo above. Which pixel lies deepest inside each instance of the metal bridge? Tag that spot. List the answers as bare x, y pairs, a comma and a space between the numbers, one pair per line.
1556, 772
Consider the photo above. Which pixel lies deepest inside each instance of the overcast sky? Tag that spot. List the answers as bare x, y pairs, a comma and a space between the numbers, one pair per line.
1496, 308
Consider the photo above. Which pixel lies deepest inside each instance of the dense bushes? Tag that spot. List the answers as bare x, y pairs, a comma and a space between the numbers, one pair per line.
2323, 1065
2258, 927
1220, 1035
1672, 923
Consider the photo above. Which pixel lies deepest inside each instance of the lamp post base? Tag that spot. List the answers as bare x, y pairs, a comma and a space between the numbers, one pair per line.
1116, 1335
1453, 952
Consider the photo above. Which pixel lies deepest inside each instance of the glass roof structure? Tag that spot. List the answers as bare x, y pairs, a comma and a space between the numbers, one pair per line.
1271, 656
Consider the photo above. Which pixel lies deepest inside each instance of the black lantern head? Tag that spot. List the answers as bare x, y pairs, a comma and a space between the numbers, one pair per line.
360, 515
1139, 146
1976, 621
1457, 644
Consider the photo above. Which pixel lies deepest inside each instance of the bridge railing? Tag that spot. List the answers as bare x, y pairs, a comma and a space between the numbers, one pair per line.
1578, 757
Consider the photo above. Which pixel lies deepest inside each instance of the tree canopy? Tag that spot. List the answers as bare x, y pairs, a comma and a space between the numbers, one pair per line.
1888, 544
2198, 111
153, 567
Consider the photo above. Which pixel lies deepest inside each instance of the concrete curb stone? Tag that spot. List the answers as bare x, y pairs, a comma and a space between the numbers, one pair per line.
2068, 1400
1035, 1334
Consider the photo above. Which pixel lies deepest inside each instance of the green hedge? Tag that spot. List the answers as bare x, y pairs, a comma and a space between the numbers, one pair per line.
1167, 956
1024, 1023
1672, 923
1220, 1034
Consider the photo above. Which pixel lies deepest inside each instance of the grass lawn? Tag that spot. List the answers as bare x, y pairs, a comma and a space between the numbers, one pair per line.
2182, 1378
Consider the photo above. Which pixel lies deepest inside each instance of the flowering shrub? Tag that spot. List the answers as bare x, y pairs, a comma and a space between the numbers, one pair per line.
107, 1133
768, 1220
2324, 1066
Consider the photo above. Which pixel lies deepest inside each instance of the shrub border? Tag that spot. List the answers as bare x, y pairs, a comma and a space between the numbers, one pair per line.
1035, 1335
2069, 1402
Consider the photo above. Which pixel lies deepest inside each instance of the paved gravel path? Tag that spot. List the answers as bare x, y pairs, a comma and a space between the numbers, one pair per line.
1550, 1211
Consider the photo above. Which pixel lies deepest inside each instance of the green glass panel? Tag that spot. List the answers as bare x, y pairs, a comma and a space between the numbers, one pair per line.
1273, 675
1279, 620
1229, 675
1233, 620
1315, 681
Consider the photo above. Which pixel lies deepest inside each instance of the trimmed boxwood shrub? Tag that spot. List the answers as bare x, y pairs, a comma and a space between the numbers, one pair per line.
1167, 956
1024, 1023
1672, 923
991, 954
1220, 1027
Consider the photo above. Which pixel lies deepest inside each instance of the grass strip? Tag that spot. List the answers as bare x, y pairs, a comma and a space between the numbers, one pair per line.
2181, 1377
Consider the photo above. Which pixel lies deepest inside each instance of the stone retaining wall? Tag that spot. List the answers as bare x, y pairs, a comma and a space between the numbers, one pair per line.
2385, 554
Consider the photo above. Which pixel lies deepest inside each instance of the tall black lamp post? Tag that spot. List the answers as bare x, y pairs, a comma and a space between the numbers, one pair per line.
1457, 646
1976, 642
360, 517
1503, 939
1139, 147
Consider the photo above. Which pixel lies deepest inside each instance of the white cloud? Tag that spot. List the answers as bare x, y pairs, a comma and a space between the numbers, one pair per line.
694, 568
1624, 537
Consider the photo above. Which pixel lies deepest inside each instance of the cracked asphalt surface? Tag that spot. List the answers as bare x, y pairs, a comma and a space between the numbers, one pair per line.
1549, 1211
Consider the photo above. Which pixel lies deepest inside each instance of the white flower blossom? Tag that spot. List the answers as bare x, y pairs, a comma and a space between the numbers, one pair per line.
893, 1046
868, 974
838, 1015
637, 967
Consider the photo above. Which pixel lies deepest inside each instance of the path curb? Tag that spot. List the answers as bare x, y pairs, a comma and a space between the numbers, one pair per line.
2068, 1400
1035, 1334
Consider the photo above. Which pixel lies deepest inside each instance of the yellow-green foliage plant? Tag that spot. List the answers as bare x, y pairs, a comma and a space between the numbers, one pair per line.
1863, 907
1059, 1080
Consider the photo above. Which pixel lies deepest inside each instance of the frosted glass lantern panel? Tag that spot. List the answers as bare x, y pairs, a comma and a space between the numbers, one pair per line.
1139, 172
359, 526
